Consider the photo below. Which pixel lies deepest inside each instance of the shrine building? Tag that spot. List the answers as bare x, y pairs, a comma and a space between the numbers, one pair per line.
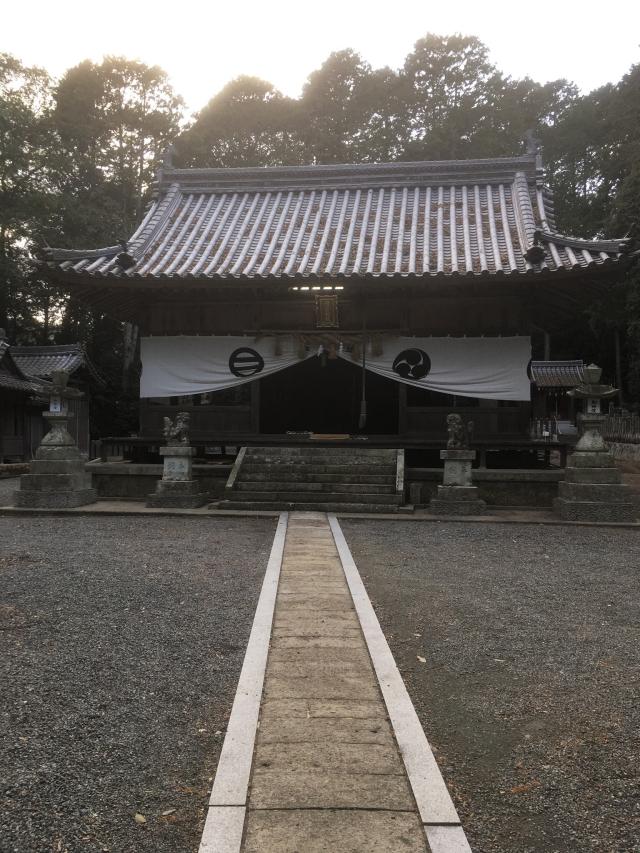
274, 304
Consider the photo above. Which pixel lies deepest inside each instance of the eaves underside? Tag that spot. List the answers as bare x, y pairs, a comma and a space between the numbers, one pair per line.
607, 269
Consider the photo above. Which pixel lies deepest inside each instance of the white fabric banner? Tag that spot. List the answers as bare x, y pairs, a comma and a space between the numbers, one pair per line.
486, 368
173, 366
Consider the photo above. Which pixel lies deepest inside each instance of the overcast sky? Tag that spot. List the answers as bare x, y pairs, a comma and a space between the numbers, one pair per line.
202, 45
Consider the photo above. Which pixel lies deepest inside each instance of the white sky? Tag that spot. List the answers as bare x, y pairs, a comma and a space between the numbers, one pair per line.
202, 45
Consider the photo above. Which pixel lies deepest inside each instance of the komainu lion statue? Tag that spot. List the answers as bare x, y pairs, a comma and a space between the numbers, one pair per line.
460, 434
178, 432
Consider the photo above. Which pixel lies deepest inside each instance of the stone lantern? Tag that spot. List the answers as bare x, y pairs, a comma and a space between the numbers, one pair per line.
592, 489
57, 478
590, 421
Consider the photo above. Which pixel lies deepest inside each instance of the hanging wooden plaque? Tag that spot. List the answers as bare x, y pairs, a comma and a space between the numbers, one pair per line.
327, 312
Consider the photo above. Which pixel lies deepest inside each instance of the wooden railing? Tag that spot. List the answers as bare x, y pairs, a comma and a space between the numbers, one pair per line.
624, 427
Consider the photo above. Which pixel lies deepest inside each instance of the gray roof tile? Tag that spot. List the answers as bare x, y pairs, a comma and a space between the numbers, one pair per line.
557, 374
452, 218
42, 361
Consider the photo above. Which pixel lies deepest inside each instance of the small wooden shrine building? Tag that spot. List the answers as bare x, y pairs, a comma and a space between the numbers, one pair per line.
18, 393
264, 296
39, 363
25, 381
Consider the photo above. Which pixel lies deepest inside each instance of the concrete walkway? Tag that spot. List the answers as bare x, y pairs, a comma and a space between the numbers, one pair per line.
334, 762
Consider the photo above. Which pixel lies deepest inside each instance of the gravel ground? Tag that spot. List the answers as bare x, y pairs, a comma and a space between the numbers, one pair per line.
529, 687
122, 645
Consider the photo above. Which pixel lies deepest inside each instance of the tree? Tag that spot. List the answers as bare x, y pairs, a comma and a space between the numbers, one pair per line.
350, 111
115, 120
28, 160
448, 90
249, 123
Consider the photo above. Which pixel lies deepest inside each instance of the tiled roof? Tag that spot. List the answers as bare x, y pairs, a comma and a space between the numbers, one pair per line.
12, 377
557, 374
42, 361
442, 218
13, 383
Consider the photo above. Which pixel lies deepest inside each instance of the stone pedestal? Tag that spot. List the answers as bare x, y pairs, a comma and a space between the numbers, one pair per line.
177, 488
57, 479
457, 495
592, 489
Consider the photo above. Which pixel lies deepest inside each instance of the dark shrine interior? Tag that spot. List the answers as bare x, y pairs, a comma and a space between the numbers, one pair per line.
322, 395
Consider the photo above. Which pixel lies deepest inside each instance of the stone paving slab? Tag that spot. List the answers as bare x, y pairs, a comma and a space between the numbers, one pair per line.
334, 602
333, 831
340, 757
319, 654
286, 615
321, 687
272, 789
323, 708
313, 668
333, 629
349, 730
316, 587
295, 641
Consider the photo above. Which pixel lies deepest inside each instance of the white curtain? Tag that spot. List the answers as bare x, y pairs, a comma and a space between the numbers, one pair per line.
487, 368
173, 366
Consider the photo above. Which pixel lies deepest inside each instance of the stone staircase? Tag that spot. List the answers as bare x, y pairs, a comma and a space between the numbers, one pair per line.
316, 479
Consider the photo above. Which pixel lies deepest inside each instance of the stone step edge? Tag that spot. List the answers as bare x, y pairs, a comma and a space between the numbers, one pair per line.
301, 506
295, 495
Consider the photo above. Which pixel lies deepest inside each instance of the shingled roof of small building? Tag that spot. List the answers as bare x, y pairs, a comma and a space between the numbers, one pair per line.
491, 217
41, 361
12, 378
557, 374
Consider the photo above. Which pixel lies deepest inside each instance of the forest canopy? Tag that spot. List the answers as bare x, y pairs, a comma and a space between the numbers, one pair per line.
78, 156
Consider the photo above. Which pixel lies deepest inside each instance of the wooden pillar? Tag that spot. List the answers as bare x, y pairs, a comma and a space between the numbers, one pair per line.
547, 346
255, 406
616, 341
402, 408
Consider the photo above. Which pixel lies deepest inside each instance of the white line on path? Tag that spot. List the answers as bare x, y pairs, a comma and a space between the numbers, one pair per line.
436, 808
227, 805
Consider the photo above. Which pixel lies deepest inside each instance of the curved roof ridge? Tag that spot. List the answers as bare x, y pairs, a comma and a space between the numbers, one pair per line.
347, 175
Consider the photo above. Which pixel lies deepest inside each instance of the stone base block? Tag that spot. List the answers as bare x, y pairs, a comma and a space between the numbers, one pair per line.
58, 466
596, 511
59, 452
452, 507
458, 493
168, 501
458, 455
605, 492
592, 475
62, 482
415, 493
177, 494
55, 499
591, 459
